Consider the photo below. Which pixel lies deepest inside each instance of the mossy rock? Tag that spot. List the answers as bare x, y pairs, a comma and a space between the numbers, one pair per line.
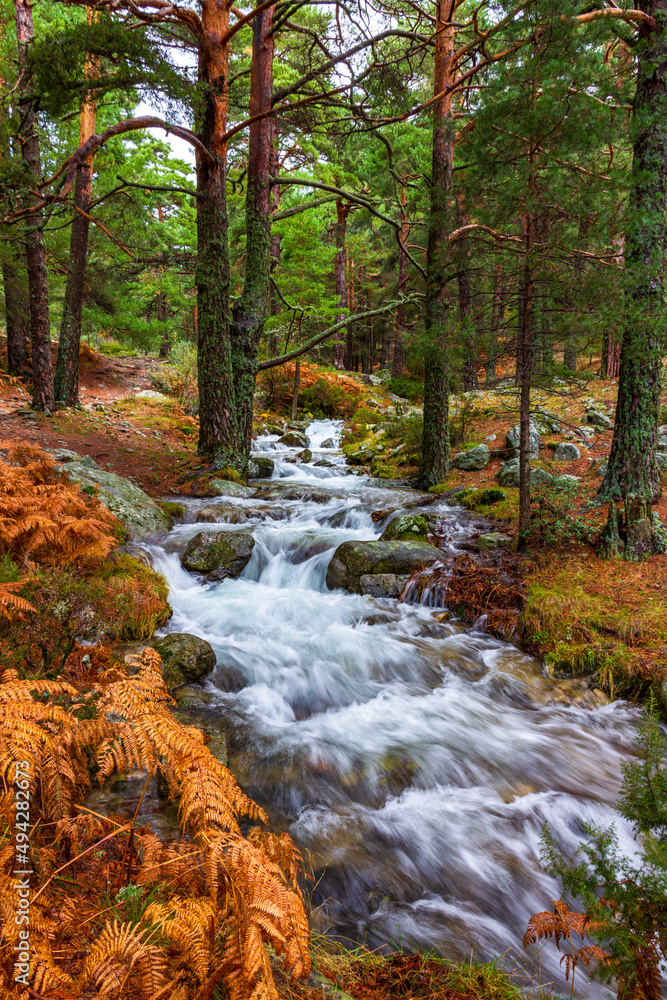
406, 527
139, 514
229, 488
294, 439
260, 467
231, 474
174, 510
218, 555
353, 560
186, 659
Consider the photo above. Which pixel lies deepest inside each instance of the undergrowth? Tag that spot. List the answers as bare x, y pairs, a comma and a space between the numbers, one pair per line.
590, 615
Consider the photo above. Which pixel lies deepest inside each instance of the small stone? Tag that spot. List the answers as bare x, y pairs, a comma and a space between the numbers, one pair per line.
226, 488
260, 467
493, 540
305, 455
329, 443
566, 452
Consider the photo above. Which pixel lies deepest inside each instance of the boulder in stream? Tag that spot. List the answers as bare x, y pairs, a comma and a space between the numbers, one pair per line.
406, 527
294, 439
226, 488
218, 555
260, 467
186, 659
353, 560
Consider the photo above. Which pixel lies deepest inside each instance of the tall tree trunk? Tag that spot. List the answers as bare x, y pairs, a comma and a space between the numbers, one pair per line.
398, 356
632, 473
66, 383
524, 378
161, 314
250, 310
16, 317
217, 416
496, 313
38, 289
435, 440
610, 365
465, 305
341, 291
276, 250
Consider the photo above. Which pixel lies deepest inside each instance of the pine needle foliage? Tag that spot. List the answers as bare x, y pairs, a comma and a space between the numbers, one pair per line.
209, 903
624, 898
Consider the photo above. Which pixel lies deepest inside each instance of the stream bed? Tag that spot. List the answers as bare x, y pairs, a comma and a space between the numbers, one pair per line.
413, 760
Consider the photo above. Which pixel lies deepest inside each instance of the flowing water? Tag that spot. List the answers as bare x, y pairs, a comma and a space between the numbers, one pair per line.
413, 760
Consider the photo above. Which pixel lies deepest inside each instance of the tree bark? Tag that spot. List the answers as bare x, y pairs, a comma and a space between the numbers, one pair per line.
496, 313
632, 469
342, 212
217, 417
250, 310
524, 378
38, 289
435, 440
66, 383
465, 306
16, 317
398, 354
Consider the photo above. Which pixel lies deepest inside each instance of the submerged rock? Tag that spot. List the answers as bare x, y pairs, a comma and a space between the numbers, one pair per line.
186, 659
138, 513
406, 527
219, 554
353, 559
305, 455
329, 443
383, 584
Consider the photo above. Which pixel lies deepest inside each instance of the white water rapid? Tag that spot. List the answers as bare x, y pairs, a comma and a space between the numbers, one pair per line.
414, 761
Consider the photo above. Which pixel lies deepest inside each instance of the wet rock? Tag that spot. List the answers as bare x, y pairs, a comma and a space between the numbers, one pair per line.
329, 443
513, 436
473, 460
229, 678
298, 425
192, 697
226, 488
218, 555
566, 452
262, 467
222, 514
493, 540
304, 493
294, 439
383, 584
600, 420
325, 463
406, 527
138, 513
186, 659
305, 456
273, 429
353, 559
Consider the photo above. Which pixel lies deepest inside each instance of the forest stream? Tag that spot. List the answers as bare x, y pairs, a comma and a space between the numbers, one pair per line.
413, 760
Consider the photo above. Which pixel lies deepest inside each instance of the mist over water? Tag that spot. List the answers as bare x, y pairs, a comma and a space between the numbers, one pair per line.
413, 760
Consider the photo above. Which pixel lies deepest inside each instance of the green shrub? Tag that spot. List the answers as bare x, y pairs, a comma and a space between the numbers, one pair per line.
326, 399
406, 388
